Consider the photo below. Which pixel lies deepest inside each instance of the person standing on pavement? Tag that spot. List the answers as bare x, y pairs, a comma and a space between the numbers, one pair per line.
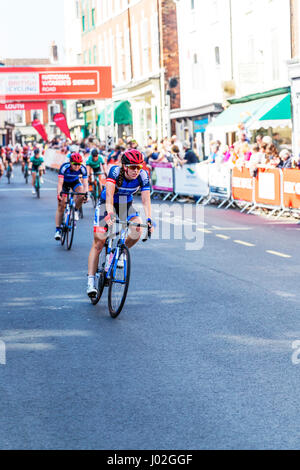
189, 156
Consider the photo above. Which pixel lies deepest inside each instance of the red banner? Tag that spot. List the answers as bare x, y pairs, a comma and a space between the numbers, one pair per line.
40, 129
24, 106
55, 83
61, 122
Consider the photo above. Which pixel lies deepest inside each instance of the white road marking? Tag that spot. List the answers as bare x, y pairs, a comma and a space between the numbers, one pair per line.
224, 237
276, 253
232, 228
27, 189
204, 230
240, 242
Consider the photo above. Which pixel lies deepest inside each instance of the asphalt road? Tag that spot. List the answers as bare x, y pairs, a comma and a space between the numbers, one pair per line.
200, 358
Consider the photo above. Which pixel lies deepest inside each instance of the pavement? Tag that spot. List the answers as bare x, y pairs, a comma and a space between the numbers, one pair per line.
203, 356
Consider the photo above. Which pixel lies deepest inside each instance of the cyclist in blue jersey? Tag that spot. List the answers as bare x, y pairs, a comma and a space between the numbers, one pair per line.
69, 178
116, 198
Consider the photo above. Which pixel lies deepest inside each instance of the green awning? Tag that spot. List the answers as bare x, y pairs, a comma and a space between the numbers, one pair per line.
122, 114
272, 111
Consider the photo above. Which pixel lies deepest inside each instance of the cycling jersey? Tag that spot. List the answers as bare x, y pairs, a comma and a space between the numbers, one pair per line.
36, 163
95, 165
70, 176
129, 187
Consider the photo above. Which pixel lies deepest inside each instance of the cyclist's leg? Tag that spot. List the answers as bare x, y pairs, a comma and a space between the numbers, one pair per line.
33, 174
100, 235
61, 205
78, 199
134, 232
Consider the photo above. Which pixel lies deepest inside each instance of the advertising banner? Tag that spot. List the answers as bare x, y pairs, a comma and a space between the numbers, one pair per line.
291, 188
268, 187
40, 129
242, 185
162, 177
50, 83
24, 106
61, 122
219, 181
191, 180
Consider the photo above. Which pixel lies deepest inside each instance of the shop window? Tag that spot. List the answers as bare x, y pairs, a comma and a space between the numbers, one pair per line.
53, 109
37, 114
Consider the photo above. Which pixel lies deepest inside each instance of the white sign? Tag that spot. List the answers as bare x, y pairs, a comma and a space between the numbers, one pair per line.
191, 180
266, 186
219, 180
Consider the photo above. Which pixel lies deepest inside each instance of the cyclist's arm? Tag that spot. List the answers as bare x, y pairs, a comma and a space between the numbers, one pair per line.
110, 191
146, 200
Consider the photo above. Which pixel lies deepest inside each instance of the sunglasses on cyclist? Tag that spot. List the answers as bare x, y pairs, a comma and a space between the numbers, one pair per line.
75, 164
135, 167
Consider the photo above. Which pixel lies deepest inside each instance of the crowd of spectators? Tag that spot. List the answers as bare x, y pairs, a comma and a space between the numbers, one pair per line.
265, 152
166, 151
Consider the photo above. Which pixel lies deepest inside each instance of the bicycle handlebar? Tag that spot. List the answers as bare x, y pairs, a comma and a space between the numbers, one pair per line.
134, 224
73, 194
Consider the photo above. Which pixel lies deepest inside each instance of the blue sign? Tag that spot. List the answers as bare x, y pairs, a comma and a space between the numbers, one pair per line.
200, 126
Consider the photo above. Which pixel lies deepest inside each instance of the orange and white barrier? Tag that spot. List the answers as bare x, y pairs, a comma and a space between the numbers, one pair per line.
268, 188
291, 189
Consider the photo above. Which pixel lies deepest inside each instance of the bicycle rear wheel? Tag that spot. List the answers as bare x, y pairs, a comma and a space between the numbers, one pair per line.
70, 228
37, 186
101, 277
118, 284
8, 174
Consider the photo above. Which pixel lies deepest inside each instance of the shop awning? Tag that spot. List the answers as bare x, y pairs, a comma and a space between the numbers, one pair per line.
122, 114
267, 111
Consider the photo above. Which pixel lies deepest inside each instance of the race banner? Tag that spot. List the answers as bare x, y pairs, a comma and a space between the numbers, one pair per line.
29, 105
61, 122
191, 180
40, 129
55, 83
162, 177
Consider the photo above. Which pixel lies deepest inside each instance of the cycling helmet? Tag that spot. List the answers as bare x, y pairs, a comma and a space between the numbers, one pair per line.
76, 158
25, 148
132, 157
94, 153
36, 151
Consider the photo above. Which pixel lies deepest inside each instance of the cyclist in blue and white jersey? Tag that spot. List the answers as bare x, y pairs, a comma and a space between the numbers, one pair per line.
121, 184
69, 178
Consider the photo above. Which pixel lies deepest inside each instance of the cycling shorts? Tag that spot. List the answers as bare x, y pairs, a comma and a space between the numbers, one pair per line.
73, 185
35, 168
123, 211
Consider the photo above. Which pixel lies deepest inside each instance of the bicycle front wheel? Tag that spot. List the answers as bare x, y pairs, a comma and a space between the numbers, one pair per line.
70, 228
118, 284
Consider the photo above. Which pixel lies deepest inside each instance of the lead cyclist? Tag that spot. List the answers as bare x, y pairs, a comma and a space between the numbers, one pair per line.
116, 198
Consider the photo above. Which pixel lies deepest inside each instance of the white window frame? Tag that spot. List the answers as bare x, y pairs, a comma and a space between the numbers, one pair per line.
49, 112
41, 113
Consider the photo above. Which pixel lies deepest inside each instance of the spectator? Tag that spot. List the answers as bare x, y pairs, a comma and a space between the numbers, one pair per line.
175, 141
286, 159
189, 157
272, 156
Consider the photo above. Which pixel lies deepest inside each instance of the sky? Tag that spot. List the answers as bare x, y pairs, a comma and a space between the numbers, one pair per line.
28, 27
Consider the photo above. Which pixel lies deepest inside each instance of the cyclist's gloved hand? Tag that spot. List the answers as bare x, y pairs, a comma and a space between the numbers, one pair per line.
151, 224
110, 218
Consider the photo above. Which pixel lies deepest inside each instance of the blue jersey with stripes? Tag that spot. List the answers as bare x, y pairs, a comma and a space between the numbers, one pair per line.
129, 187
70, 176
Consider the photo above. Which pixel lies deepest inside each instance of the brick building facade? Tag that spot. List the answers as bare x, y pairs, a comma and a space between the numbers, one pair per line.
138, 39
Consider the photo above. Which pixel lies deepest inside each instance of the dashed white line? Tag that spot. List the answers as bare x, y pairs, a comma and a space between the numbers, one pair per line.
224, 237
241, 242
276, 253
204, 230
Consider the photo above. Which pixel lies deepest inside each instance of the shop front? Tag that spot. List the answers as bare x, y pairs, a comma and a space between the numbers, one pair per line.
267, 113
191, 124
